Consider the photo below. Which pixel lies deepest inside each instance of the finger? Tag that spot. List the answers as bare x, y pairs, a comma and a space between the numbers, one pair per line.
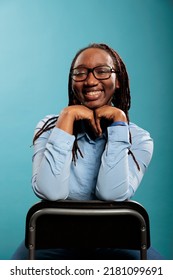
97, 121
98, 115
94, 126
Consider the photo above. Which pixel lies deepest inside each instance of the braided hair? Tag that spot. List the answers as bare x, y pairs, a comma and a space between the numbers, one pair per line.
121, 98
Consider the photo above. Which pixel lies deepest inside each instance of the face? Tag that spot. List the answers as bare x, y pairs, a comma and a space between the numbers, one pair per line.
94, 93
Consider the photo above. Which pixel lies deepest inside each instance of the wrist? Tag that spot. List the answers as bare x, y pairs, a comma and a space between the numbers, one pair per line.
65, 121
120, 116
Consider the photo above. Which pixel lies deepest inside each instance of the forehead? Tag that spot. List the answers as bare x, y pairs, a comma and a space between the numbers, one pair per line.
93, 57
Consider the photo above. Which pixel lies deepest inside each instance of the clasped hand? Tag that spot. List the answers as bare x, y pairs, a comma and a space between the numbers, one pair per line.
74, 113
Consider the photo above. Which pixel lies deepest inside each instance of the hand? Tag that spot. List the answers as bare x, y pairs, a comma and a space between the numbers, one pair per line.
74, 113
109, 113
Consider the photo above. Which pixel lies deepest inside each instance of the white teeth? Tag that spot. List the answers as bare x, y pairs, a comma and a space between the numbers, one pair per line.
92, 93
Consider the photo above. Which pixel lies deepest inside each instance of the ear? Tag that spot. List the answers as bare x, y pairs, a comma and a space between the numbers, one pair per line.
75, 101
117, 84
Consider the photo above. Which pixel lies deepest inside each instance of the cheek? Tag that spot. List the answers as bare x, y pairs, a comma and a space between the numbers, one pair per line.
77, 91
76, 87
111, 87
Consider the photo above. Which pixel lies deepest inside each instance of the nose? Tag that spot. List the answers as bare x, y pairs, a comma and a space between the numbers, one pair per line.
91, 80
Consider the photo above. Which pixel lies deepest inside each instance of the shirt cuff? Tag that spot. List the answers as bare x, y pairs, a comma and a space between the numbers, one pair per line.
61, 139
119, 123
118, 134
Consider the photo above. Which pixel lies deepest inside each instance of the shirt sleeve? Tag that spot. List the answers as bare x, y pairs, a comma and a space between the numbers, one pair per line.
51, 164
119, 176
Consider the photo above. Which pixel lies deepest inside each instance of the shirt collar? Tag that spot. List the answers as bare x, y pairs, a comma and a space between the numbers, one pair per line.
83, 133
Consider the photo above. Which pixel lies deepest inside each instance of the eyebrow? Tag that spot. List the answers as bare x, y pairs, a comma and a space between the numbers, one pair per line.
83, 65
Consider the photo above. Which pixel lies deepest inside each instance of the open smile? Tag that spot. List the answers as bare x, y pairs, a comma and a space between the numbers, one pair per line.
93, 95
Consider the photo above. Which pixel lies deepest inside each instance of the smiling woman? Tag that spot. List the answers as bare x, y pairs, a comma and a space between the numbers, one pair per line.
97, 85
98, 107
113, 153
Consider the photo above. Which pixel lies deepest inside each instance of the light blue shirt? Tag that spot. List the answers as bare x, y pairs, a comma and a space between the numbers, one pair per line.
106, 171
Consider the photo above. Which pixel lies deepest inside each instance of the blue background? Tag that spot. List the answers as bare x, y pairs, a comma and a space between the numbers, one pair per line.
38, 39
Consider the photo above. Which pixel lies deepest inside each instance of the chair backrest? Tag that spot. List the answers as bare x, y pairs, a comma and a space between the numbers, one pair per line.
87, 224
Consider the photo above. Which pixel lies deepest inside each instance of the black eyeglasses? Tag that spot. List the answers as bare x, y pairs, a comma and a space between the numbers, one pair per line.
80, 74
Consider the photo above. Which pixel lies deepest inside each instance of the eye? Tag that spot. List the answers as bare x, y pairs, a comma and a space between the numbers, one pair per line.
79, 72
102, 70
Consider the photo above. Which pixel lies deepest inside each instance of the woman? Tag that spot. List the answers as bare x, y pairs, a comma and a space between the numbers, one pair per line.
91, 150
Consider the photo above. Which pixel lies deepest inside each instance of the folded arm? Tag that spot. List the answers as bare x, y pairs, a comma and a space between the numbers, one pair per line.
51, 164
119, 176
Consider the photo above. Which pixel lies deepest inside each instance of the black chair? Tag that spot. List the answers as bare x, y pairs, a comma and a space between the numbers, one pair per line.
66, 224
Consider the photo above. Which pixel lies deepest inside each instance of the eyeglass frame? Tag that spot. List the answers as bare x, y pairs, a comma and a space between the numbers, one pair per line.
91, 70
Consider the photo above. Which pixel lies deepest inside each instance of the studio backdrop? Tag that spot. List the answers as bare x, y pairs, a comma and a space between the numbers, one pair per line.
38, 39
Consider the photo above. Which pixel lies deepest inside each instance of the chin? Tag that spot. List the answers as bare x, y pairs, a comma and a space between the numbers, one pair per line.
94, 106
